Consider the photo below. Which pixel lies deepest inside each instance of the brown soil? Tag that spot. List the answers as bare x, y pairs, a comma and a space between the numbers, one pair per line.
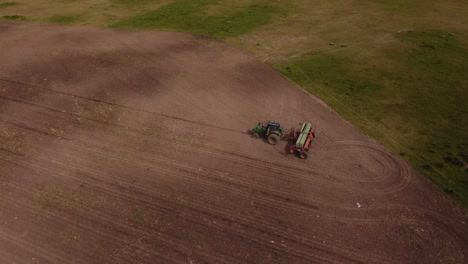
131, 147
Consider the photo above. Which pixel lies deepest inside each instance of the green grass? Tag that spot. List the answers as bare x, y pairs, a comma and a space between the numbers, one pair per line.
68, 200
437, 96
7, 4
417, 109
395, 6
131, 2
191, 16
61, 19
14, 18
139, 216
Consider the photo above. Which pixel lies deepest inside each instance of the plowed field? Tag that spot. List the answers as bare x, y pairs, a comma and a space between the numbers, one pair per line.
132, 147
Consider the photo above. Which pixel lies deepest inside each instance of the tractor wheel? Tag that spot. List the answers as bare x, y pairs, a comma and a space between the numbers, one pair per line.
273, 139
256, 135
303, 154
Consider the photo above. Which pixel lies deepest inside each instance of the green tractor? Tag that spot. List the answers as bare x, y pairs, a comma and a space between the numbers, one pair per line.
273, 131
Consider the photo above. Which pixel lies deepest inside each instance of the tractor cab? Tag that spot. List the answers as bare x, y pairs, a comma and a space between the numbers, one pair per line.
271, 130
272, 126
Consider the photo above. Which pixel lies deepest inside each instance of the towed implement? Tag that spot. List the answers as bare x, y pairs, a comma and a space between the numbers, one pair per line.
301, 140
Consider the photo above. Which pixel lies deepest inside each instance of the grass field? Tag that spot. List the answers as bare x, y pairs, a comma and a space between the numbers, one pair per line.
399, 77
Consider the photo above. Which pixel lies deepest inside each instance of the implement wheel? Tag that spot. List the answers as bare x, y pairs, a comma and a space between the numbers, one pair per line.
303, 155
273, 139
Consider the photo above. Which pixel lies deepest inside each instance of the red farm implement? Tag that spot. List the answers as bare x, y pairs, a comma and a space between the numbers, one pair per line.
301, 140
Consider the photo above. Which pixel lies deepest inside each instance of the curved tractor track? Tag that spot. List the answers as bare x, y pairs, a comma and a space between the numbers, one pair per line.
132, 147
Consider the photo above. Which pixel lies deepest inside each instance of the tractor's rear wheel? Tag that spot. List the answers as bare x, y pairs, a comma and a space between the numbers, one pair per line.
256, 135
273, 139
303, 154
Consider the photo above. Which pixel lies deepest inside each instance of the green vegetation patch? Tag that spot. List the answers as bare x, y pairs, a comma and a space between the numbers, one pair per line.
418, 109
190, 16
437, 88
337, 78
132, 2
139, 216
7, 4
61, 19
397, 6
14, 18
71, 200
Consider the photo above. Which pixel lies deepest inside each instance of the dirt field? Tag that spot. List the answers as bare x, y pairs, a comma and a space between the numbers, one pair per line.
132, 147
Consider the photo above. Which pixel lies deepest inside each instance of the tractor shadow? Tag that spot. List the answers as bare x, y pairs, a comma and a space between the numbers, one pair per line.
286, 152
251, 134
289, 142
286, 138
289, 138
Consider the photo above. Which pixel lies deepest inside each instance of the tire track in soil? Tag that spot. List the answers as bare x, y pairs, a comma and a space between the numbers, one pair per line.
251, 157
111, 239
270, 162
213, 213
93, 143
198, 149
49, 172
146, 165
7, 258
194, 149
395, 173
99, 188
353, 143
45, 89
46, 254
117, 105
419, 216
366, 221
